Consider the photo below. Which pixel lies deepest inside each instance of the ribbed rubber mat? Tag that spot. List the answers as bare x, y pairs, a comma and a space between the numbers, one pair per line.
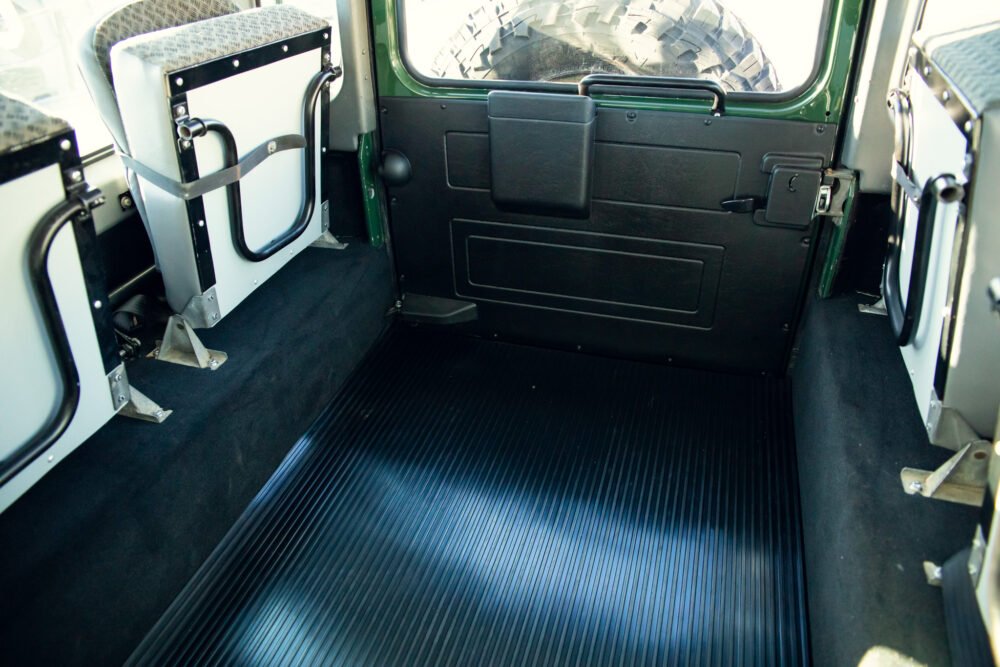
477, 503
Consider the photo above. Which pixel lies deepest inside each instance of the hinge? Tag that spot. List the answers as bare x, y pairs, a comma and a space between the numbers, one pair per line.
833, 191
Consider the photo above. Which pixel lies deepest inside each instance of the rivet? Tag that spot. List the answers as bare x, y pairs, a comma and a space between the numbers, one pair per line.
211, 297
326, 35
323, 149
946, 96
968, 126
159, 414
180, 110
51, 458
201, 223
236, 62
179, 81
272, 146
121, 398
76, 176
118, 377
65, 144
284, 47
98, 304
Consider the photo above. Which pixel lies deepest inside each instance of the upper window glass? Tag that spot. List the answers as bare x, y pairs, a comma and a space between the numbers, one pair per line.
38, 46
748, 45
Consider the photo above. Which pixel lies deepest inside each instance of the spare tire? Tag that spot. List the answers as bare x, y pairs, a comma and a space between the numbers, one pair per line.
564, 40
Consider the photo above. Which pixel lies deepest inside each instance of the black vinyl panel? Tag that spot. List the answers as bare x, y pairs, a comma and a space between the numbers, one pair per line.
658, 176
465, 502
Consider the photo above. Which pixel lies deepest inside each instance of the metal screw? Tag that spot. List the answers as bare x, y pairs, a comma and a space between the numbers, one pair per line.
968, 126
946, 96
214, 363
326, 57
326, 35
215, 316
65, 144
159, 414
118, 377
98, 304
916, 487
272, 146
180, 110
76, 175
201, 223
121, 398
51, 458
211, 297
323, 149
236, 62
126, 202
185, 144
631, 115
708, 121
179, 81
927, 70
284, 47
820, 129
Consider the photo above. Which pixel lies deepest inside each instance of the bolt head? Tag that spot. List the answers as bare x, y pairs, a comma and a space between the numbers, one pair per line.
159, 414
98, 305
180, 110
201, 223
916, 486
118, 377
236, 62
65, 144
179, 81
76, 176
284, 48
121, 398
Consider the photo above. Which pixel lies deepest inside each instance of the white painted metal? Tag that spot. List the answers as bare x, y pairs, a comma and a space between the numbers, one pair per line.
29, 392
939, 147
257, 105
973, 381
868, 130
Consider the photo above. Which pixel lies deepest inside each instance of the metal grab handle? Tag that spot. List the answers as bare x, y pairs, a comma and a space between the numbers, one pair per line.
670, 82
39, 245
902, 141
905, 319
196, 127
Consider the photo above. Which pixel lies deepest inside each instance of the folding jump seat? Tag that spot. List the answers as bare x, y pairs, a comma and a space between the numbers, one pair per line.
63, 377
220, 117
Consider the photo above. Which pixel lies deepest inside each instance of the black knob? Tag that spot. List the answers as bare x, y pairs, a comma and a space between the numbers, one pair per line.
395, 169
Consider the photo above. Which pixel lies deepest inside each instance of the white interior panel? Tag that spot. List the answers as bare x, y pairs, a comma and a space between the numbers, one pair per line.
938, 148
30, 395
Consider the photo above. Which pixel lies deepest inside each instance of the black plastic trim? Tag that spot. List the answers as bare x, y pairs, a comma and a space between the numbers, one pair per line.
204, 74
187, 161
39, 246
673, 83
37, 156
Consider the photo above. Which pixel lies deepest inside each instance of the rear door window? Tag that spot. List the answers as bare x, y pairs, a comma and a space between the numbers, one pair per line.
766, 46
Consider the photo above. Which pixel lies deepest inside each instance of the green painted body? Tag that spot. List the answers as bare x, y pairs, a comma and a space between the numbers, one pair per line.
821, 101
371, 190
835, 251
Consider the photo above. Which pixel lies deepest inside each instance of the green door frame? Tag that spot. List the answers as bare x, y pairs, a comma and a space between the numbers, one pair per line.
822, 100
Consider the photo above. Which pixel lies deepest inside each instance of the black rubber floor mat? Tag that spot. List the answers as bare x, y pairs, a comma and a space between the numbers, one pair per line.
472, 503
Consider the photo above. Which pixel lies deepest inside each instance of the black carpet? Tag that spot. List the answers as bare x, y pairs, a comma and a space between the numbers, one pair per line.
468, 502
857, 425
98, 549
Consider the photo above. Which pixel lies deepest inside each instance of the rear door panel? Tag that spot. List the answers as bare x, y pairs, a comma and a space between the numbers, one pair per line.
659, 270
